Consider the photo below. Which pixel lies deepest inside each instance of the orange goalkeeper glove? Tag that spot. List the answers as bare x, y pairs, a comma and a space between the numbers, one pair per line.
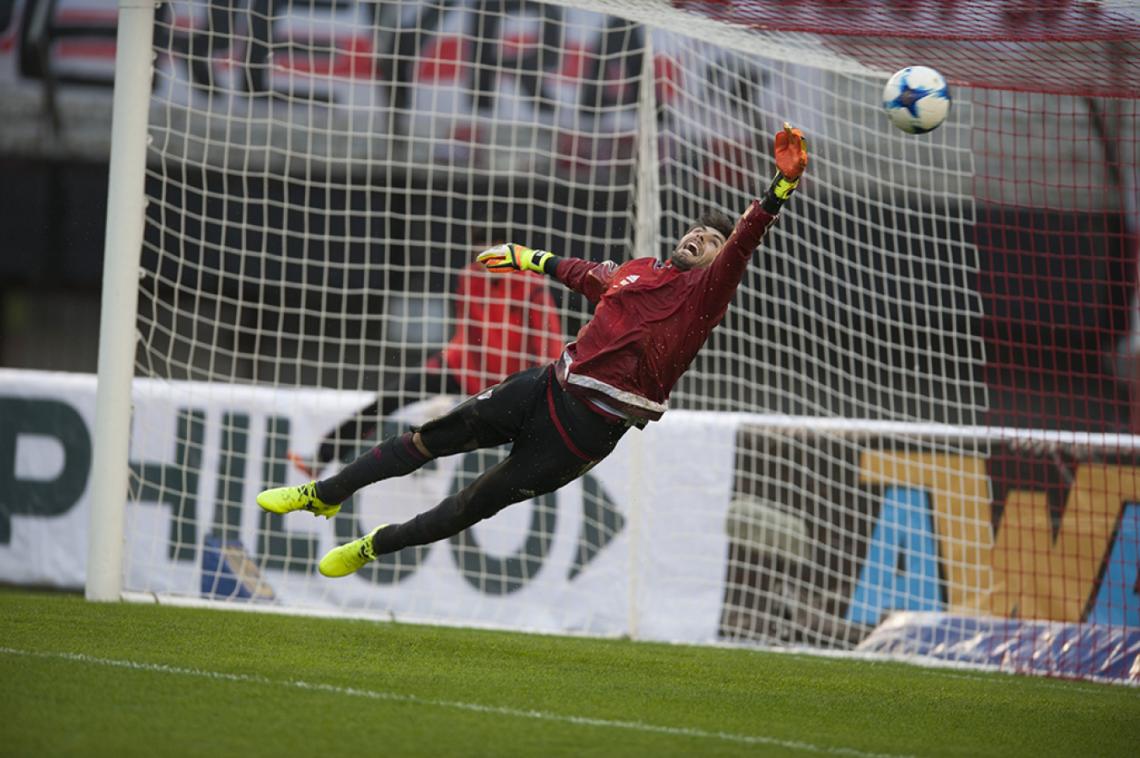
511, 257
791, 160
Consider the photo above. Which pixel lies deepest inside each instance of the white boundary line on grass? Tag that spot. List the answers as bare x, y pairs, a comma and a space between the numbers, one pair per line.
396, 697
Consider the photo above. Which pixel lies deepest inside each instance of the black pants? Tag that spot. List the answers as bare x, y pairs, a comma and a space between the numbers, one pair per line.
555, 439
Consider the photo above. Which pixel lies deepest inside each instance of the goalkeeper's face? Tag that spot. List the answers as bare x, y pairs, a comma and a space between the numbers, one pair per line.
698, 248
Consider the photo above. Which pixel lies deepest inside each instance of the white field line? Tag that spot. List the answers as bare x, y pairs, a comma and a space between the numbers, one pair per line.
396, 697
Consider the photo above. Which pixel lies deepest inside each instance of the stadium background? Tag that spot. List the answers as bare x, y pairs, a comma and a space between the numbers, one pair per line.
1057, 287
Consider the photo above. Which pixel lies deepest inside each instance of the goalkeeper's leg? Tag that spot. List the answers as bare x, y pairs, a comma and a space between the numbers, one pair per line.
543, 459
493, 417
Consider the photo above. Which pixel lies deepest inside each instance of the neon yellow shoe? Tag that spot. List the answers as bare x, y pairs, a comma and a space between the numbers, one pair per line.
302, 497
350, 557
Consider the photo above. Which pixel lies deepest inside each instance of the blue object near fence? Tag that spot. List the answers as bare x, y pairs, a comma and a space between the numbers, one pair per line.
1053, 648
228, 573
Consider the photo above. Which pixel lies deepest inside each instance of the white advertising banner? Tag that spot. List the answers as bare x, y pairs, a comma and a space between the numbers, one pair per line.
636, 546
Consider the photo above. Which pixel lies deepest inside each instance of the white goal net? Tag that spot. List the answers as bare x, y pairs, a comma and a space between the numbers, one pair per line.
916, 419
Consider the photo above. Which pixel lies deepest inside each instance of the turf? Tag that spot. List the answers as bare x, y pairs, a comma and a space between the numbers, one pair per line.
118, 679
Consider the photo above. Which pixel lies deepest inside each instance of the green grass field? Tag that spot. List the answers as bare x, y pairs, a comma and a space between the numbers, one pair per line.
97, 679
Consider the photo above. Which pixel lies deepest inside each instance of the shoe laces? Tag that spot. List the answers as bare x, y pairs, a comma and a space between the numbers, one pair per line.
309, 492
367, 552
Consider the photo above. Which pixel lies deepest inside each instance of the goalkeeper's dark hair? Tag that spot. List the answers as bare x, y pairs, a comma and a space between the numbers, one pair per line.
722, 222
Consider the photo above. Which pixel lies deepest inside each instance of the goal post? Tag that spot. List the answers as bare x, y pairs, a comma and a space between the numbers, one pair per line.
126, 201
916, 422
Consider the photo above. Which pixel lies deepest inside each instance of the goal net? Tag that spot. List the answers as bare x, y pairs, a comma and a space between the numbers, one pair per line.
913, 432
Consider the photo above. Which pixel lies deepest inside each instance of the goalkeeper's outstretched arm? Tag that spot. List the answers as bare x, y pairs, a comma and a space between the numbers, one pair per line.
585, 277
591, 278
727, 269
790, 152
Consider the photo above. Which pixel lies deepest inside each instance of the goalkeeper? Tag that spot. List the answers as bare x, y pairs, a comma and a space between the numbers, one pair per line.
651, 318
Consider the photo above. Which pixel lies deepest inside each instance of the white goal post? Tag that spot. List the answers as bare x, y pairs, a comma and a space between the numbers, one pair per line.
126, 199
917, 422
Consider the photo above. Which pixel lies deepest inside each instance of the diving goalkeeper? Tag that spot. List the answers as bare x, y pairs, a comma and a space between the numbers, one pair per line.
651, 318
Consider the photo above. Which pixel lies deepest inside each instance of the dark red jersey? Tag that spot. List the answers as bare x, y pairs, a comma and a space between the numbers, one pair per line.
650, 320
504, 323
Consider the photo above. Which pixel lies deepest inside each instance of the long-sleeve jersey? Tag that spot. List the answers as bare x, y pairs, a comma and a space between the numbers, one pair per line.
504, 323
650, 320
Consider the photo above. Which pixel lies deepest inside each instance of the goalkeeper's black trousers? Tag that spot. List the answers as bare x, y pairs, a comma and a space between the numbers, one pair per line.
555, 438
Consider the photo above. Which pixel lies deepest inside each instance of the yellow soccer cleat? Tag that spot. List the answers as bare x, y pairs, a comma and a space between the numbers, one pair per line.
303, 497
350, 557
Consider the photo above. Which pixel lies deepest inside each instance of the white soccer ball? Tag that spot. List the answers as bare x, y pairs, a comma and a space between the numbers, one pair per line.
916, 99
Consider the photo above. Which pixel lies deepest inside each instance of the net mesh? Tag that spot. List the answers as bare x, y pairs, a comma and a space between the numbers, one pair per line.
900, 384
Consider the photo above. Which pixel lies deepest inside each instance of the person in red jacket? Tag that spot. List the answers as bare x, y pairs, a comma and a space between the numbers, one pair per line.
651, 318
504, 324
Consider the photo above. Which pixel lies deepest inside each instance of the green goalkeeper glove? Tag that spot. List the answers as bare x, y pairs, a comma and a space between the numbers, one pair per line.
510, 257
791, 160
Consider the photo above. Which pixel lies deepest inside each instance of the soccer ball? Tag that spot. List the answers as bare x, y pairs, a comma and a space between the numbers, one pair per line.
916, 99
